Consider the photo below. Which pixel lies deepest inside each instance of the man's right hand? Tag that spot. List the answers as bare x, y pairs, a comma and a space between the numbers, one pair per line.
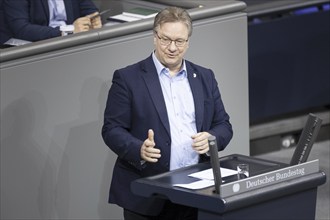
148, 151
82, 24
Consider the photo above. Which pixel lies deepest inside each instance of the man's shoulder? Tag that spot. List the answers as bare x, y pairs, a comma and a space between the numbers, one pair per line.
140, 65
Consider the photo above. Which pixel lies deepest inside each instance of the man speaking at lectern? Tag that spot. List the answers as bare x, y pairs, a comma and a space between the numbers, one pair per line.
159, 115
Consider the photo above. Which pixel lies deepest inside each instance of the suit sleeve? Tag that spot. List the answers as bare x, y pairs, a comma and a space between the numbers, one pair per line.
79, 8
221, 127
117, 120
87, 7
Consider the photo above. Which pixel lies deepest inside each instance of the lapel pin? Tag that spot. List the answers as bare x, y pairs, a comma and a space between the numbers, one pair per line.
194, 75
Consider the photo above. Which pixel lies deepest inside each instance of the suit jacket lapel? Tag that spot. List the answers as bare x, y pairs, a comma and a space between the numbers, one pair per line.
45, 7
69, 10
152, 82
194, 79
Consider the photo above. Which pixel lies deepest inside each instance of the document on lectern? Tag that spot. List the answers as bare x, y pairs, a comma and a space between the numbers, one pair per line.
200, 184
206, 178
208, 174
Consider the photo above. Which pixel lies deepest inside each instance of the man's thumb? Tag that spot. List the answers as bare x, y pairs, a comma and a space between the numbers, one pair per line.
151, 135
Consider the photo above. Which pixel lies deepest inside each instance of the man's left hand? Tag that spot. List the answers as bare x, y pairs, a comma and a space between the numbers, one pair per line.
200, 142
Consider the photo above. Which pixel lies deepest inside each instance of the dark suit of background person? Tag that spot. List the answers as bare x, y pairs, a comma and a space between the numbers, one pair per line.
136, 104
29, 19
5, 34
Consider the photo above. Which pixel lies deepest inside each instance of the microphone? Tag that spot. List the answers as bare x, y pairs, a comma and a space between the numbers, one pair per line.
215, 163
306, 140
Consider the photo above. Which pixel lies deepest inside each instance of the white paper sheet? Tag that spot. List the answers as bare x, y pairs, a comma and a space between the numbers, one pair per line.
200, 184
208, 174
206, 178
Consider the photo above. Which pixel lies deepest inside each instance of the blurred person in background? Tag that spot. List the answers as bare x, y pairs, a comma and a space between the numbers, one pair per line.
35, 20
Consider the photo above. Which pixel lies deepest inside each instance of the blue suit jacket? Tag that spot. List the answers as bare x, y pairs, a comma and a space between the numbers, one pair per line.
29, 19
136, 104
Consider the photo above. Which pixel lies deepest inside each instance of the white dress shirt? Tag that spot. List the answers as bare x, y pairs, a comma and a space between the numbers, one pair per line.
181, 114
57, 13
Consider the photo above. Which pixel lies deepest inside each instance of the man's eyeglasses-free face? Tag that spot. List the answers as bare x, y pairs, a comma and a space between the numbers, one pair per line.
166, 41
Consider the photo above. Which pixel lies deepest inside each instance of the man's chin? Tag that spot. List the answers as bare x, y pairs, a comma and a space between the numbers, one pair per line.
172, 61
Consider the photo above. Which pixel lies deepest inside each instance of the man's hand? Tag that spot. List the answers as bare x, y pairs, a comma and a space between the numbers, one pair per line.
95, 19
200, 142
148, 151
82, 24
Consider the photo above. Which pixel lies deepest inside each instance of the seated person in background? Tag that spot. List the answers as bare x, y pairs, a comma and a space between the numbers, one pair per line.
32, 20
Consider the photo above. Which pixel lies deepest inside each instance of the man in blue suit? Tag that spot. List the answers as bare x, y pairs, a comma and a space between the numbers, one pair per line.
159, 115
34, 20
